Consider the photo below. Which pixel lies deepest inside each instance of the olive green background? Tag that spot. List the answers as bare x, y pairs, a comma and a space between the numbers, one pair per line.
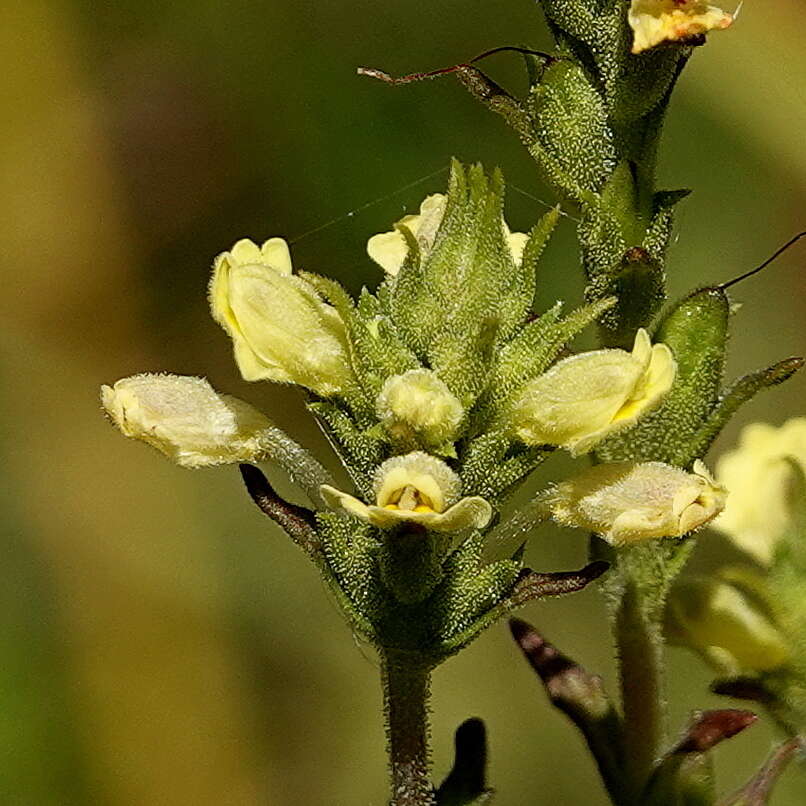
160, 642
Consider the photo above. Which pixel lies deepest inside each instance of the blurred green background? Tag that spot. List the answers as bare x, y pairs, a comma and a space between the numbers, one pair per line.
161, 642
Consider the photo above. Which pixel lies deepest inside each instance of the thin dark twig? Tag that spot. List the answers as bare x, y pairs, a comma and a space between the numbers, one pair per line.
412, 77
791, 242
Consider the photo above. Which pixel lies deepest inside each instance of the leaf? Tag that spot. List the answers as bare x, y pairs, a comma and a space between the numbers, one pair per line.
529, 586
684, 775
582, 698
297, 522
738, 393
572, 142
465, 783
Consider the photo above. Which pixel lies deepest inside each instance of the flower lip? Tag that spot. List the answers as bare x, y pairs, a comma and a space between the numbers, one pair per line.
415, 488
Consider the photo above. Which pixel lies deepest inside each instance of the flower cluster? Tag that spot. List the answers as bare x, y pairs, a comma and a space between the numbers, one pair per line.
440, 392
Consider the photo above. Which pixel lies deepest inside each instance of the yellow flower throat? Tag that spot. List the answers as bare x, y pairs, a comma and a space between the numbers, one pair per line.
411, 499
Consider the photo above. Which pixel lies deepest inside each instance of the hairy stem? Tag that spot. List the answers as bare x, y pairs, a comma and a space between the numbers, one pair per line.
406, 690
639, 643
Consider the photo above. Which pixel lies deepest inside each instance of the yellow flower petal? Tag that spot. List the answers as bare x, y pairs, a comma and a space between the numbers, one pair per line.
759, 475
731, 631
417, 405
281, 329
186, 419
389, 249
656, 21
627, 502
582, 399
415, 488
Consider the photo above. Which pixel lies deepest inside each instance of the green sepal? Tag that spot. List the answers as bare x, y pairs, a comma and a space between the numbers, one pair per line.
731, 399
491, 464
376, 350
468, 592
660, 227
574, 17
411, 562
518, 302
351, 550
639, 286
621, 198
624, 239
533, 350
572, 141
453, 304
360, 452
527, 586
643, 86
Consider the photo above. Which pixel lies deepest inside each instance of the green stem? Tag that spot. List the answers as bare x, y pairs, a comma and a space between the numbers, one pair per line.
640, 644
406, 691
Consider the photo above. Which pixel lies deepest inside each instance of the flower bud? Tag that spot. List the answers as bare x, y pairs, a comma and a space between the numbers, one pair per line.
418, 405
415, 488
186, 419
732, 631
759, 475
628, 502
656, 21
582, 399
280, 327
389, 249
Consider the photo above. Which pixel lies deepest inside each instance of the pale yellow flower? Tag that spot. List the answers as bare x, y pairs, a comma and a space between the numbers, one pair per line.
730, 630
415, 488
280, 327
418, 405
656, 21
627, 502
759, 477
389, 249
585, 398
186, 419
